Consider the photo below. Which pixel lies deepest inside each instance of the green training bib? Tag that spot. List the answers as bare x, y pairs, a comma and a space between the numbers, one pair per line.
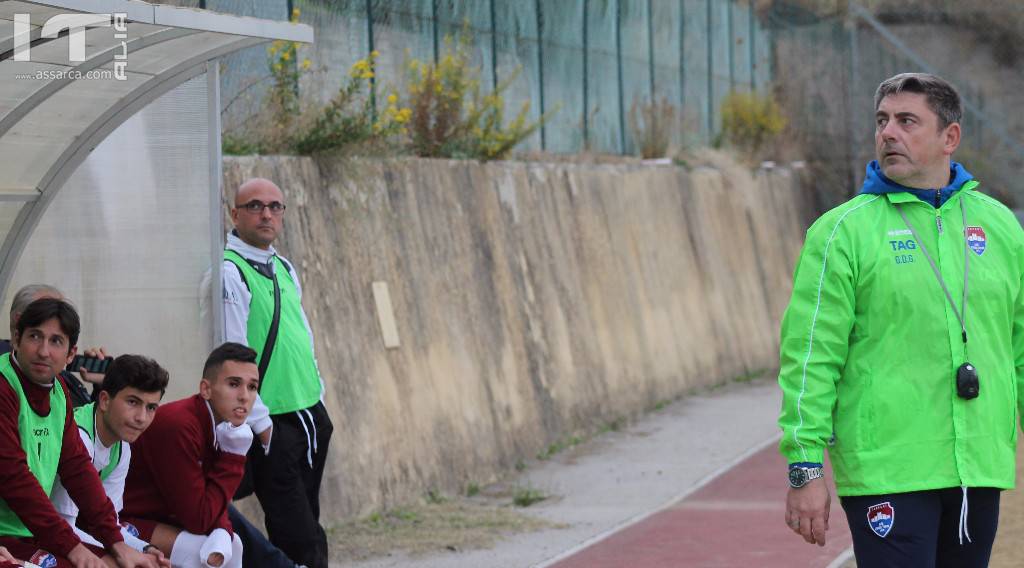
41, 438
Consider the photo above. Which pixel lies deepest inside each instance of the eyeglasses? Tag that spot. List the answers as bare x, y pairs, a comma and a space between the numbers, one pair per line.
256, 207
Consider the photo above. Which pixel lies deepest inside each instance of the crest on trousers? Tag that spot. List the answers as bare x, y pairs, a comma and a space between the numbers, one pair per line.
43, 559
880, 518
976, 239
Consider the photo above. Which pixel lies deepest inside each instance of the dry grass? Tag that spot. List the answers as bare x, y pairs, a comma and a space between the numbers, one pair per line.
451, 525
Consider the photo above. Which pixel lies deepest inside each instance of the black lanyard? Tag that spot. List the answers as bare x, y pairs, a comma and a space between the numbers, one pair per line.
962, 313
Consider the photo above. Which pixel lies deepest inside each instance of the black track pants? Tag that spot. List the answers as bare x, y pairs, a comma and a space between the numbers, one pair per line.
921, 529
287, 483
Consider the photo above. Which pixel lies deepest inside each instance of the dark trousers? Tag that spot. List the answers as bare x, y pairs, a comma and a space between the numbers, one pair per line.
287, 483
258, 551
923, 528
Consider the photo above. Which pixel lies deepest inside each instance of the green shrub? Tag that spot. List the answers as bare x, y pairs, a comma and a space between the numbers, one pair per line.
526, 496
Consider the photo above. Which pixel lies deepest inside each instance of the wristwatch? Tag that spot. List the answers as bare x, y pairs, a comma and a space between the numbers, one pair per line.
800, 476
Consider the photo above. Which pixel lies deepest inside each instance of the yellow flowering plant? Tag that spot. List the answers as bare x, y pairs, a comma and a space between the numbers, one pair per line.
449, 114
282, 100
349, 119
750, 120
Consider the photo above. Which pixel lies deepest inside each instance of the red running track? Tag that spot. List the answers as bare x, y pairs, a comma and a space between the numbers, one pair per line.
736, 520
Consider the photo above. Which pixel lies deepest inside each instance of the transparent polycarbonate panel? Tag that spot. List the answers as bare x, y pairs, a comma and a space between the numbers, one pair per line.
602, 108
341, 40
8, 213
666, 22
721, 59
696, 72
762, 57
562, 49
240, 71
565, 54
128, 237
742, 59
517, 53
402, 32
666, 25
474, 20
636, 72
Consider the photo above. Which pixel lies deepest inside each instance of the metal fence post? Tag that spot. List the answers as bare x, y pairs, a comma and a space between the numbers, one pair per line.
618, 61
586, 96
682, 57
369, 41
494, 48
708, 116
435, 24
650, 48
732, 43
540, 70
751, 40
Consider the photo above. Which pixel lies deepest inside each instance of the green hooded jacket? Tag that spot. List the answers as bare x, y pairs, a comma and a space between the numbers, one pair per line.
870, 345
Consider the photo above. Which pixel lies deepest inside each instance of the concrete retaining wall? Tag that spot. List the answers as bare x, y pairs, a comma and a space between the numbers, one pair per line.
531, 301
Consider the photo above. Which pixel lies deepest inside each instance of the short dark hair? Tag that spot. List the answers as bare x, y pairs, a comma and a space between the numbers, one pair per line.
135, 371
227, 352
941, 96
40, 311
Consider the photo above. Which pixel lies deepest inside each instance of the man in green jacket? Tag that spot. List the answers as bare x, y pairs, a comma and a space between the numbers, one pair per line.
903, 345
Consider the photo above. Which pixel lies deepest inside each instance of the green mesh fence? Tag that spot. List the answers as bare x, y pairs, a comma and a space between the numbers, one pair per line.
585, 62
827, 70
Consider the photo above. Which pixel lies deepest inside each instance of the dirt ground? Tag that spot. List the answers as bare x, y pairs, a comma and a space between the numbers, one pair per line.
446, 524
1007, 550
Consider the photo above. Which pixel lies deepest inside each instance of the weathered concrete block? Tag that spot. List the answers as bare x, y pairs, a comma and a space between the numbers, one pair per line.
533, 301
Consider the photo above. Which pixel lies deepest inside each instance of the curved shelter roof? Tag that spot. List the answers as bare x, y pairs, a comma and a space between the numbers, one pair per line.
54, 110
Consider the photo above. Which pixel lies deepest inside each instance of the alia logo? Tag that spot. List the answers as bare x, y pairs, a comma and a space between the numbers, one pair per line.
75, 24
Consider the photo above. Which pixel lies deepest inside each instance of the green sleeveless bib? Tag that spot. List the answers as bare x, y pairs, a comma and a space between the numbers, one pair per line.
85, 417
41, 438
291, 382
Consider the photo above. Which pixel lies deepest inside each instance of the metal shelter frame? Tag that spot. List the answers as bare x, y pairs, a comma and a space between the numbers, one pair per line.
52, 115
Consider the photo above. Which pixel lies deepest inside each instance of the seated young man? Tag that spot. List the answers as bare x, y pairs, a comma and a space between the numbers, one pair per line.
186, 466
128, 399
39, 440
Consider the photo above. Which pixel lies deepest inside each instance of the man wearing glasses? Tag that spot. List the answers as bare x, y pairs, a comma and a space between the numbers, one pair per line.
263, 309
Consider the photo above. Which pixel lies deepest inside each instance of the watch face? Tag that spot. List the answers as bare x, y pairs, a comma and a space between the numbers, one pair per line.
797, 477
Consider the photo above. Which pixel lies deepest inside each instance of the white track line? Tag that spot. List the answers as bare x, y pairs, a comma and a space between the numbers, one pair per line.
843, 558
